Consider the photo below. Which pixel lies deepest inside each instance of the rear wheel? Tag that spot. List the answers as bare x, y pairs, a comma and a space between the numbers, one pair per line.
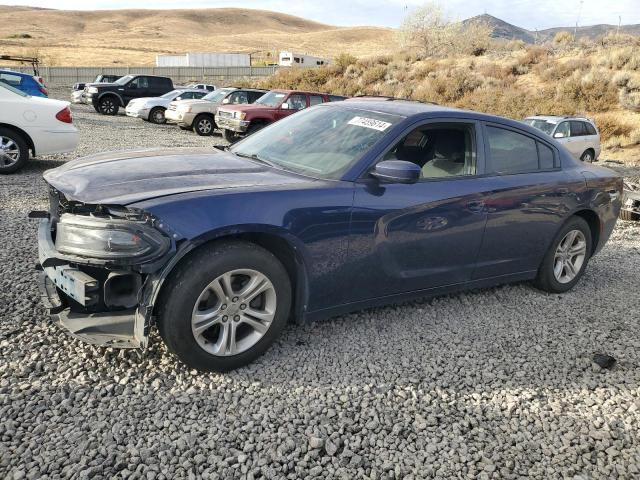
108, 106
224, 306
588, 156
14, 151
204, 125
156, 115
567, 258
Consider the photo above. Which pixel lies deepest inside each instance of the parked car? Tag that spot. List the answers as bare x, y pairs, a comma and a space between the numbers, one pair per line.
24, 82
77, 95
107, 98
580, 135
273, 106
631, 202
32, 124
343, 206
202, 86
199, 115
152, 109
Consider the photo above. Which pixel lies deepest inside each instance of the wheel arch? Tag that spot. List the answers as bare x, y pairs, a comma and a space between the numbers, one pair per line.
285, 249
23, 134
113, 94
595, 226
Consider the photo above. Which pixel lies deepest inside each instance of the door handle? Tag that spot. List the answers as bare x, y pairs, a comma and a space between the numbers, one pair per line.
476, 206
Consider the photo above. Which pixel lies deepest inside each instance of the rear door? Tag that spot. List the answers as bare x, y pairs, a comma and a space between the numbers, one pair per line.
315, 100
579, 137
530, 196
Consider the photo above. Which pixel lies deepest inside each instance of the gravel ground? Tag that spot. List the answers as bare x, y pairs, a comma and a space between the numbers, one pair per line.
495, 383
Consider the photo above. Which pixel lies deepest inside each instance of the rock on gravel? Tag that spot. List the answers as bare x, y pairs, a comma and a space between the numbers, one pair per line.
495, 383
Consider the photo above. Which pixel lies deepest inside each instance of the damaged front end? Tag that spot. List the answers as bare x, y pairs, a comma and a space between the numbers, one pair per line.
100, 269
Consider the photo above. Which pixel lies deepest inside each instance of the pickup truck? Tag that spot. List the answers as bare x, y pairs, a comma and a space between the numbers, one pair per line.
237, 120
107, 98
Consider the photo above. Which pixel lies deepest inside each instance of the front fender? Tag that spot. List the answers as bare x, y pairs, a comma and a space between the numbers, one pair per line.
115, 94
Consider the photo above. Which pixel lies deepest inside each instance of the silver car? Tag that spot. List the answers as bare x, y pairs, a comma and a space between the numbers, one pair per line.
578, 134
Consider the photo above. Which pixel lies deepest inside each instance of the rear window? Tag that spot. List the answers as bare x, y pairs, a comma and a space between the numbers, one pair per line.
11, 79
591, 130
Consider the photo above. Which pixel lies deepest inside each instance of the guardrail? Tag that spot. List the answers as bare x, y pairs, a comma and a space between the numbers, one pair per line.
179, 75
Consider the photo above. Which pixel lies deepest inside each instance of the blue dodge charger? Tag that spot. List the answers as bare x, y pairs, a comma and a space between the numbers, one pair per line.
339, 207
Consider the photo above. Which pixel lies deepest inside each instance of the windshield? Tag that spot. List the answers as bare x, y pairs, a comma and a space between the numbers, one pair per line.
271, 99
14, 90
172, 94
322, 142
124, 80
216, 96
544, 125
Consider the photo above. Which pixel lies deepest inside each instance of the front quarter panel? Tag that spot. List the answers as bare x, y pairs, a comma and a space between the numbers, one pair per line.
313, 221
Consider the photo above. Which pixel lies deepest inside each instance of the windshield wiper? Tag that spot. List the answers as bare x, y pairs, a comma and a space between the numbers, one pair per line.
254, 156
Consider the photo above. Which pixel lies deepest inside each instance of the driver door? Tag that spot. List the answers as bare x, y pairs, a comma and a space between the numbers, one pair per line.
412, 237
296, 102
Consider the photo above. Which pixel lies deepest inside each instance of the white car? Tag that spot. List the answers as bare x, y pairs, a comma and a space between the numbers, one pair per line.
578, 134
40, 125
152, 108
203, 86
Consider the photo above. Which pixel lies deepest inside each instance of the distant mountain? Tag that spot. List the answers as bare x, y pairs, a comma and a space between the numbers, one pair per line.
502, 29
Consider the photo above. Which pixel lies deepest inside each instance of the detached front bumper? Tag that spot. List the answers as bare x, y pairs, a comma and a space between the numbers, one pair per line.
137, 112
75, 300
233, 124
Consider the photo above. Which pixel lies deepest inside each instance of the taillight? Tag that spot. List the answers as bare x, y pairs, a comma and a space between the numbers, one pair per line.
64, 115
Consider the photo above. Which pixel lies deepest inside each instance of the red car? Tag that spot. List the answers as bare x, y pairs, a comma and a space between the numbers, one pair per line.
246, 119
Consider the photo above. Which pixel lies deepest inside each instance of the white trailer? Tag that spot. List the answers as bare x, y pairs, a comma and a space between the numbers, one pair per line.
204, 60
291, 59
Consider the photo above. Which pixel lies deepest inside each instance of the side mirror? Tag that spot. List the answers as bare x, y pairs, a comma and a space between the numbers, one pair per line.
226, 101
285, 106
558, 135
397, 171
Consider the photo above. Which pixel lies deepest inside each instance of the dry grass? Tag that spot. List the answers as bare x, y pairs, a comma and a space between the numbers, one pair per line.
135, 37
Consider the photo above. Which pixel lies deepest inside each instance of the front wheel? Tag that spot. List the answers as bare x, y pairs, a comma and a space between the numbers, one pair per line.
224, 306
588, 156
108, 106
567, 258
14, 151
229, 135
157, 116
203, 125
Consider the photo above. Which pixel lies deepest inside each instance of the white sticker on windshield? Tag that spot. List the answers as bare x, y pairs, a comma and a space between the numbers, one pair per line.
370, 123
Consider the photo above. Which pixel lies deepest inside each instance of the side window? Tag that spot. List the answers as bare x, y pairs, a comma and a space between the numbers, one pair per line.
510, 152
139, 82
577, 129
198, 94
546, 157
253, 96
315, 100
440, 150
590, 129
562, 131
297, 101
238, 97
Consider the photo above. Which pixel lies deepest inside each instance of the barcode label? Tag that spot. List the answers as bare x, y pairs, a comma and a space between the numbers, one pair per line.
370, 123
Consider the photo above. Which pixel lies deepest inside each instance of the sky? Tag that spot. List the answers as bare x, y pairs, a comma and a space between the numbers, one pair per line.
529, 14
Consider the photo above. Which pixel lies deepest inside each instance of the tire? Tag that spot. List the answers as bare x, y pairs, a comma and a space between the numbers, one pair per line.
192, 288
108, 105
254, 128
14, 151
588, 156
204, 125
229, 135
156, 115
548, 278
629, 216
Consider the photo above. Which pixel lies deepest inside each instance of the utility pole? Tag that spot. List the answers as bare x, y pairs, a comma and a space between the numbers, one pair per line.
575, 30
619, 22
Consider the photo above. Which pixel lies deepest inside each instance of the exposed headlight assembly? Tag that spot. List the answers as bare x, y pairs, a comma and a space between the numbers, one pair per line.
93, 90
240, 115
119, 240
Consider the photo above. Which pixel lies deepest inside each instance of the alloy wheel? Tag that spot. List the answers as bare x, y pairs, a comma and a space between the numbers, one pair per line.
570, 256
234, 312
205, 126
586, 157
108, 106
9, 152
158, 116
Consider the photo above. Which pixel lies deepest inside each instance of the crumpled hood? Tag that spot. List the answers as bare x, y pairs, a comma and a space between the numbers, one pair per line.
121, 178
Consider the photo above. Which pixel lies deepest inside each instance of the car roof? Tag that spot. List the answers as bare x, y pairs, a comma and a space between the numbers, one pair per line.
408, 108
557, 118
